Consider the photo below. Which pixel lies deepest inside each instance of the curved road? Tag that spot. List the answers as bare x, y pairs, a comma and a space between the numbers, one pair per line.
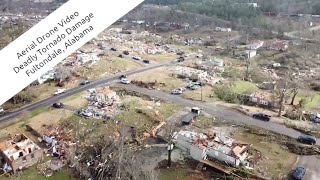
218, 111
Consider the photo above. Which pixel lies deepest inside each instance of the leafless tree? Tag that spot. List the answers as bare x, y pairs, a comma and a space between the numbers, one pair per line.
104, 157
172, 127
62, 73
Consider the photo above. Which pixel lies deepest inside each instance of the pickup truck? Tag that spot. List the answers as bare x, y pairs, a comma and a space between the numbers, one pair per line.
59, 91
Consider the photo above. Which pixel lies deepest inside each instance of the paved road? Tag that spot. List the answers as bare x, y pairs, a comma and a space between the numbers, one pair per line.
218, 111
311, 163
51, 100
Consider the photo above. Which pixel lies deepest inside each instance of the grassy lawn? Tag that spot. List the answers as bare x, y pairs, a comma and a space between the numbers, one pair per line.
173, 174
39, 111
312, 100
31, 173
204, 122
244, 87
76, 100
139, 114
275, 160
159, 58
108, 65
196, 94
161, 75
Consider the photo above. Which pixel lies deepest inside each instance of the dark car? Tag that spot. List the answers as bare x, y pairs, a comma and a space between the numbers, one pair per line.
113, 49
126, 52
180, 59
57, 105
123, 77
307, 139
146, 61
261, 116
85, 82
298, 173
315, 119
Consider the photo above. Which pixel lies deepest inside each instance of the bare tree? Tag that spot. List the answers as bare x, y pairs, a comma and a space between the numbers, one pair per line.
171, 129
62, 73
104, 157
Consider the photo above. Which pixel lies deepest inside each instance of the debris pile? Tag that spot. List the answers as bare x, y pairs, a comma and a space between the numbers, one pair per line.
195, 75
48, 168
103, 103
149, 85
58, 140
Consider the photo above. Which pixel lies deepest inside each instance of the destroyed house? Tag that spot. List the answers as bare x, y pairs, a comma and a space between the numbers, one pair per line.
204, 147
19, 152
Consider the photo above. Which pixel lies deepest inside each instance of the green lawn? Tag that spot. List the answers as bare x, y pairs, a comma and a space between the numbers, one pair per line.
313, 100
275, 159
39, 111
173, 174
244, 87
31, 173
145, 118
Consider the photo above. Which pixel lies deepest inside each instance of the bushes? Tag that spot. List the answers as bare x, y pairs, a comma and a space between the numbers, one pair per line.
225, 93
315, 86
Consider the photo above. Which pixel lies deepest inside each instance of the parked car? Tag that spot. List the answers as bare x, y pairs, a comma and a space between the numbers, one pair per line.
307, 139
136, 58
315, 118
58, 105
298, 173
195, 87
261, 116
59, 91
176, 91
196, 110
113, 49
1, 110
126, 52
85, 82
146, 61
123, 77
125, 81
180, 59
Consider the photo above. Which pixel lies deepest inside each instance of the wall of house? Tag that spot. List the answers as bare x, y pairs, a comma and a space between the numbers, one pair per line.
222, 157
243, 156
26, 161
25, 151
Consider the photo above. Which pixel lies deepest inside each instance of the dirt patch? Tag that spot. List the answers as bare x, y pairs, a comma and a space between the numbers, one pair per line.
76, 101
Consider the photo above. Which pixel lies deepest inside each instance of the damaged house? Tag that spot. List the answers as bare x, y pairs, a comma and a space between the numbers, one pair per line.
214, 147
18, 153
103, 104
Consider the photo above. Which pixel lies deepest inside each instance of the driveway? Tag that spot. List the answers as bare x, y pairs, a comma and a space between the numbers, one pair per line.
311, 163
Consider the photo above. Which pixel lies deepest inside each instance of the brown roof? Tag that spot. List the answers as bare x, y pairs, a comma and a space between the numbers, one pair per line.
4, 145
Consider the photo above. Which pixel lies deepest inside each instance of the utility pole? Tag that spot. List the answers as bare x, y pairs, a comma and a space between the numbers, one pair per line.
201, 93
248, 60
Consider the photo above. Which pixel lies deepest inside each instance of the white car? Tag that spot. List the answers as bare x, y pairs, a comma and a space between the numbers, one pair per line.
1, 110
136, 58
176, 91
125, 81
59, 91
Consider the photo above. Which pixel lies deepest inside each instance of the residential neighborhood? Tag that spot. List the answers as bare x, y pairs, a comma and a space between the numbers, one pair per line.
174, 90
